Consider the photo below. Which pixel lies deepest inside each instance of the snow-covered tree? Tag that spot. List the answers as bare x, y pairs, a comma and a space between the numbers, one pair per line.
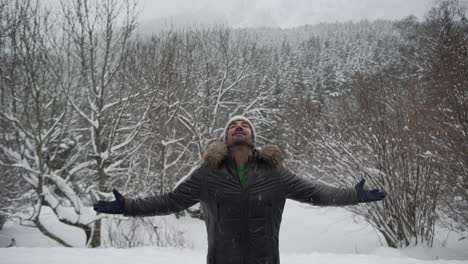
70, 126
437, 47
36, 144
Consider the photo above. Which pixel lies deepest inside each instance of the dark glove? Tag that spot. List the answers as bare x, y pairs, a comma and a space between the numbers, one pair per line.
114, 207
365, 196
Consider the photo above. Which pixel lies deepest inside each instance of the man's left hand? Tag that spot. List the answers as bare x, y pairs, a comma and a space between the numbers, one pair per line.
367, 196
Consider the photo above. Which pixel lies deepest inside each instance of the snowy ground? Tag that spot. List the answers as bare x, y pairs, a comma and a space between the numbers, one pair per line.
176, 256
308, 235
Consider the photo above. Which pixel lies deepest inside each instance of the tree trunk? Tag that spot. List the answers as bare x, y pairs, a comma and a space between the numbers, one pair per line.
93, 235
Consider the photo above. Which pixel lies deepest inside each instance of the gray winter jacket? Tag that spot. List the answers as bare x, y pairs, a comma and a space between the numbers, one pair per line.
242, 221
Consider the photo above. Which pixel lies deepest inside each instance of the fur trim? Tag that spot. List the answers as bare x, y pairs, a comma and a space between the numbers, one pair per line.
217, 152
273, 154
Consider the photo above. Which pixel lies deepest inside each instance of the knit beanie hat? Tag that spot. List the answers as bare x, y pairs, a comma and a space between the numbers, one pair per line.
239, 118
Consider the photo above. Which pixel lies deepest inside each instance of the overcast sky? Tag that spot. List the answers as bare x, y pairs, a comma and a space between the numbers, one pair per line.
283, 13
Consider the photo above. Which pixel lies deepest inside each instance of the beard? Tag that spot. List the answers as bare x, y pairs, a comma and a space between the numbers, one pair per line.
240, 142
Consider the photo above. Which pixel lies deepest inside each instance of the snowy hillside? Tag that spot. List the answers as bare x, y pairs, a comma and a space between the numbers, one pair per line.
279, 13
308, 235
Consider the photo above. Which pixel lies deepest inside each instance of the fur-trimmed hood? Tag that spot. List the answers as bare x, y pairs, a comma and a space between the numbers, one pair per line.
217, 152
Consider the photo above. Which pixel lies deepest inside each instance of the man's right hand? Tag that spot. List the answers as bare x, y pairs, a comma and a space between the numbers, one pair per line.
365, 196
114, 207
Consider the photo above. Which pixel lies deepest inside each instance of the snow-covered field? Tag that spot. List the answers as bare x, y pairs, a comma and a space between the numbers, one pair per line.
176, 256
308, 235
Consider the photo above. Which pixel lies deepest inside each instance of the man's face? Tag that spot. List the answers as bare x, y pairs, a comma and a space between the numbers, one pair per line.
239, 133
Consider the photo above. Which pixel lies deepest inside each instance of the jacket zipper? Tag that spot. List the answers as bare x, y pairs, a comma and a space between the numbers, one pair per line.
245, 212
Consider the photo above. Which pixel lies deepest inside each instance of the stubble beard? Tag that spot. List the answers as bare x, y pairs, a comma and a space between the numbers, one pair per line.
240, 142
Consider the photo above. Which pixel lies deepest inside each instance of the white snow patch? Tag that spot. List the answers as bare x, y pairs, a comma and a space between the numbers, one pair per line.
308, 235
175, 256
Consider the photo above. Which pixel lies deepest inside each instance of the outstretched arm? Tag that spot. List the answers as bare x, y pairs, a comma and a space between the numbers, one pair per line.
185, 194
308, 191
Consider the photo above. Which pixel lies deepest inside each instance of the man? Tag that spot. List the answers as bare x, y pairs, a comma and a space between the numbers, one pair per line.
242, 191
